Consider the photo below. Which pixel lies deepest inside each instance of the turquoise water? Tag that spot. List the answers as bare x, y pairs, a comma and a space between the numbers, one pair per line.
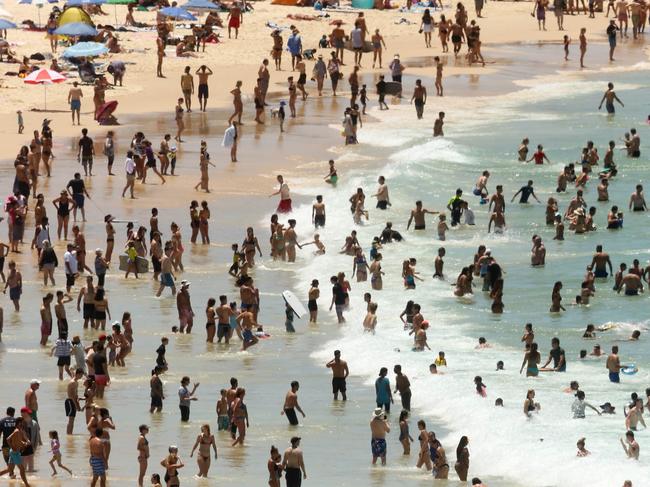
559, 112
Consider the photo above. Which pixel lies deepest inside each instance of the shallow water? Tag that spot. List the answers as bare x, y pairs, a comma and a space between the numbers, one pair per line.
484, 133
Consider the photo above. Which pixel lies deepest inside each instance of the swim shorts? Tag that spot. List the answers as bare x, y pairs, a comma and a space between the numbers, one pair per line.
166, 279
284, 206
98, 466
614, 377
70, 408
223, 423
15, 292
338, 385
247, 335
378, 447
75, 105
600, 273
290, 413
79, 197
203, 91
15, 458
223, 329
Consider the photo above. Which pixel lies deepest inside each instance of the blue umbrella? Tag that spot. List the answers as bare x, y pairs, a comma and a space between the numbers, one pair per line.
37, 2
200, 5
85, 49
76, 29
177, 13
5, 24
78, 3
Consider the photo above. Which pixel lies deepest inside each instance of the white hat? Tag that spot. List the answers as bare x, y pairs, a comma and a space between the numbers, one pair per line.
34, 381
185, 283
378, 412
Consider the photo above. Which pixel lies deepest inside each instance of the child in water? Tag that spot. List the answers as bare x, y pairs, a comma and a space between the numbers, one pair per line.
288, 323
55, 446
567, 41
442, 226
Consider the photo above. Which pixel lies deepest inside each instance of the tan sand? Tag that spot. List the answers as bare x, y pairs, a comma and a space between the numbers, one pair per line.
239, 59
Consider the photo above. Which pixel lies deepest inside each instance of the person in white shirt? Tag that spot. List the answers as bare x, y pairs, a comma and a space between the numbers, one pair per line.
71, 266
129, 168
230, 140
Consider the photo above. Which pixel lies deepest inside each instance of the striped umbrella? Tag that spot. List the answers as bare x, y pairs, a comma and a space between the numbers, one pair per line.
44, 77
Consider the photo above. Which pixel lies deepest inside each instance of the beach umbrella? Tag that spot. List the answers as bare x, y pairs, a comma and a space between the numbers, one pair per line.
200, 5
105, 110
79, 3
39, 5
5, 24
76, 29
5, 14
85, 49
177, 13
115, 3
44, 77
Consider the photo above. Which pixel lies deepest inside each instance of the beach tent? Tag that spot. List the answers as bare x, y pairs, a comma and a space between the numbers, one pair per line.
74, 14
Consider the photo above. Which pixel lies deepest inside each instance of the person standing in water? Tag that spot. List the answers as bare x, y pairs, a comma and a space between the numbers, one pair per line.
340, 372
608, 98
379, 427
291, 404
293, 463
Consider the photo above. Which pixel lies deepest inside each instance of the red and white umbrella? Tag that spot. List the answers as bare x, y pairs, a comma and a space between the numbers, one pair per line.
44, 77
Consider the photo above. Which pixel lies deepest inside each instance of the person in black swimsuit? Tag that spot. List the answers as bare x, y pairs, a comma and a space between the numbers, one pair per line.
63, 204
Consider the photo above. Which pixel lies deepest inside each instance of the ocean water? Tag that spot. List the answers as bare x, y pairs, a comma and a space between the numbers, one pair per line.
560, 112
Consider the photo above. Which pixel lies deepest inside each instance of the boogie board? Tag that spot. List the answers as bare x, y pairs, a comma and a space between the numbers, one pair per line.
393, 88
141, 264
295, 304
629, 369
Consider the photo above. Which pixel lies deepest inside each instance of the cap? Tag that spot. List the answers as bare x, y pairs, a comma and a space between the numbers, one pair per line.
46, 121
109, 218
377, 412
98, 251
185, 283
34, 381
283, 103
102, 336
607, 405
25, 410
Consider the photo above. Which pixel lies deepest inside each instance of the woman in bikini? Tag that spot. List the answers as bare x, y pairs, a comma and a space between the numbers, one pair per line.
172, 463
376, 273
360, 266
204, 217
143, 453
237, 103
292, 96
177, 246
532, 358
204, 441
443, 33
194, 220
250, 244
239, 416
378, 44
101, 309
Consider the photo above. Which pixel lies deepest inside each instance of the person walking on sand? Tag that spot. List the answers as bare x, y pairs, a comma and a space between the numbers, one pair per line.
203, 73
608, 98
231, 139
74, 100
237, 103
611, 38
180, 125
160, 53
379, 427
187, 87
129, 169
235, 18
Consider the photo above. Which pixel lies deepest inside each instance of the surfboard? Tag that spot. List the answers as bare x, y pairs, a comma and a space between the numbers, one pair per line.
295, 304
141, 263
629, 369
393, 88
